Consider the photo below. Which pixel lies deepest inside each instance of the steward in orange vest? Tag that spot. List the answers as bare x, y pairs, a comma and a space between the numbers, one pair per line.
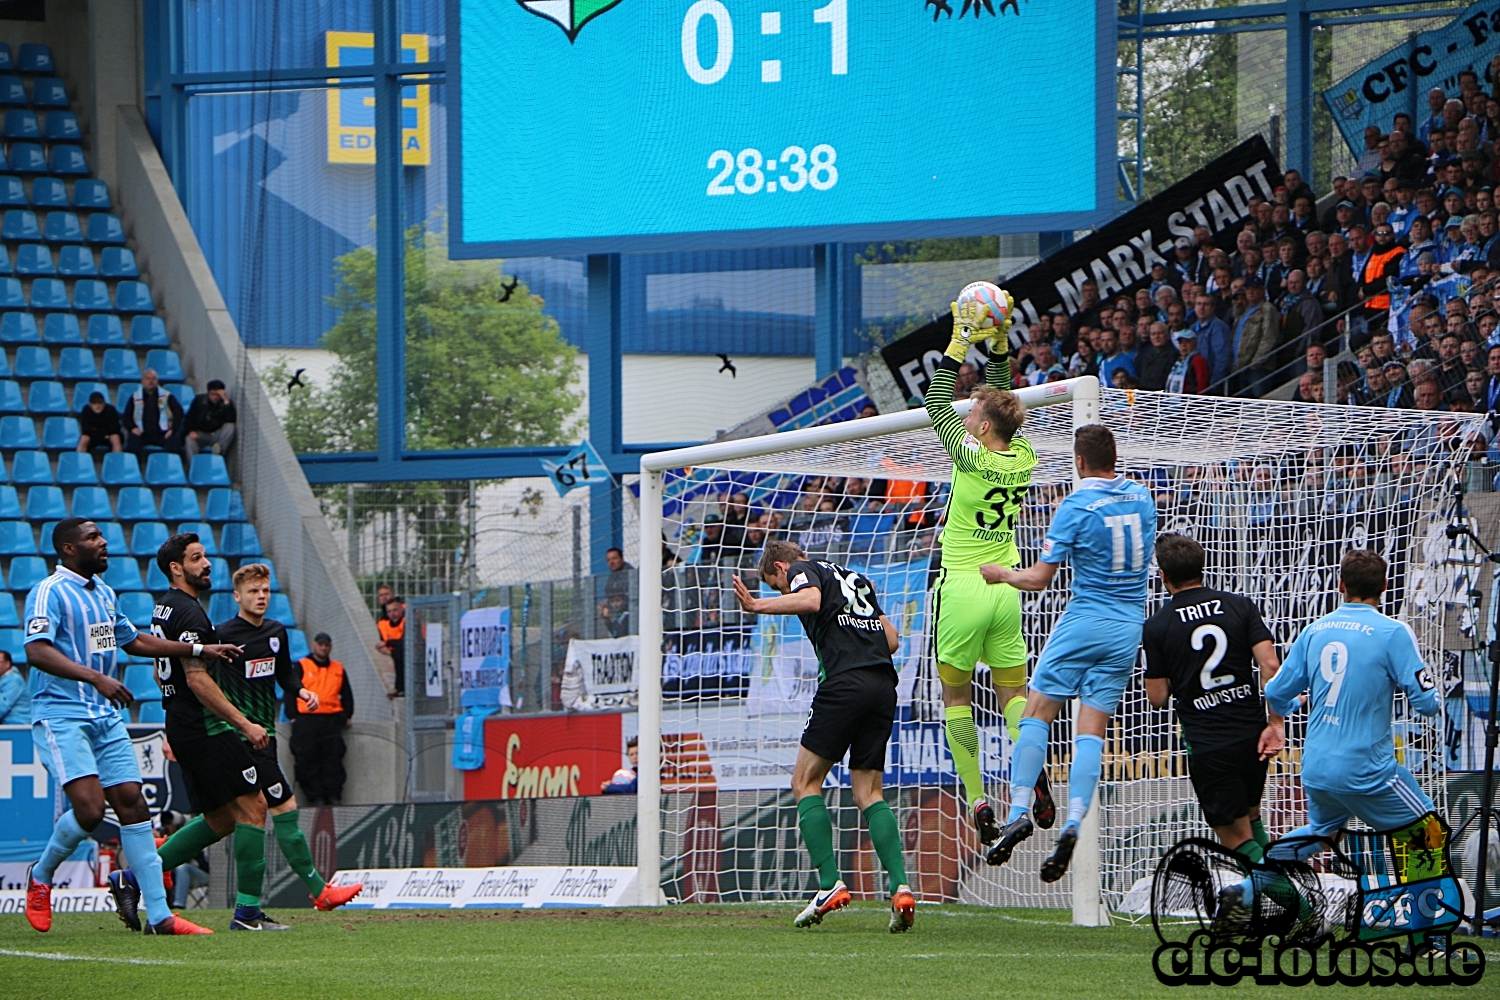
1384, 262
318, 734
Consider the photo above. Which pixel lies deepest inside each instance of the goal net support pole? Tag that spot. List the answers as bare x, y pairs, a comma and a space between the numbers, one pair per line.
1082, 393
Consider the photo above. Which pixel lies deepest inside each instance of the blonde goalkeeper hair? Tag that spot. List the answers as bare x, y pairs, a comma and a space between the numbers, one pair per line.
1002, 409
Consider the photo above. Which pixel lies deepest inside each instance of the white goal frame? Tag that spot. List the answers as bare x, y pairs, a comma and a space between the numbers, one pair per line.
1084, 397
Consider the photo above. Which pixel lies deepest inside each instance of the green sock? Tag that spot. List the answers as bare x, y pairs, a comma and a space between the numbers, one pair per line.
1252, 850
963, 743
886, 836
249, 863
185, 845
1258, 831
1013, 710
294, 848
817, 836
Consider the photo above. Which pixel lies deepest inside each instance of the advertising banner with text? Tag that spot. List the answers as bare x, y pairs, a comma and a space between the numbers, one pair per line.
546, 756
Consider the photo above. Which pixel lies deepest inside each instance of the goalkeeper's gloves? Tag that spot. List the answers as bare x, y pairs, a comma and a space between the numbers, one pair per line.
967, 329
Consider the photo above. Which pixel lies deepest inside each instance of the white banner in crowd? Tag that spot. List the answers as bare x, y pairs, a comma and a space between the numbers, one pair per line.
484, 652
474, 888
432, 660
607, 665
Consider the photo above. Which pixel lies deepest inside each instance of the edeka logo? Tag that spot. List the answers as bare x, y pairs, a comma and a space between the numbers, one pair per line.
569, 15
536, 782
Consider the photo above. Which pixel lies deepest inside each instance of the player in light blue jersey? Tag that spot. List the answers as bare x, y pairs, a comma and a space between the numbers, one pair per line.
1107, 529
74, 632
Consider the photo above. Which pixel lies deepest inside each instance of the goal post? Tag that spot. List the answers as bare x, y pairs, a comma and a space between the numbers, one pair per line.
1275, 492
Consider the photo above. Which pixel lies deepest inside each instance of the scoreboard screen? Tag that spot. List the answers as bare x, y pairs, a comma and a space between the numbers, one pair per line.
614, 125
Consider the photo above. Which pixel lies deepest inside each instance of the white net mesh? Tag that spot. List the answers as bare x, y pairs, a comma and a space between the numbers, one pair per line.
1276, 492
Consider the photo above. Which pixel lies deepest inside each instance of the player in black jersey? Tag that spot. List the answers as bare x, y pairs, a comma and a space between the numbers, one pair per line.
852, 712
251, 686
1199, 649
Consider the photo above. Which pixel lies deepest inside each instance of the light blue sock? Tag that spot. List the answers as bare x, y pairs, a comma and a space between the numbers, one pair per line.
1083, 777
1288, 848
140, 851
1027, 758
66, 836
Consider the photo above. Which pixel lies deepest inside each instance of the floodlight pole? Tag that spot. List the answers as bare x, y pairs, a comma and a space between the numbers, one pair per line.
390, 239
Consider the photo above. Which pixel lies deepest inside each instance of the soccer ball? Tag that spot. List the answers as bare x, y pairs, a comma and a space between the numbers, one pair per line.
994, 298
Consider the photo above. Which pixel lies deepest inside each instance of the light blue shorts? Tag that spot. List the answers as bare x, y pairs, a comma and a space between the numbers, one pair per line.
1395, 806
77, 748
1088, 658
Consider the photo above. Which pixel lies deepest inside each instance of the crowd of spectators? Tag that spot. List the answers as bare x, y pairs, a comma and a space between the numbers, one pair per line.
154, 420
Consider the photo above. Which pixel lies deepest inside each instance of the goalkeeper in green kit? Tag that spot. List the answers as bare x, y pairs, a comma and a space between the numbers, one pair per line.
977, 621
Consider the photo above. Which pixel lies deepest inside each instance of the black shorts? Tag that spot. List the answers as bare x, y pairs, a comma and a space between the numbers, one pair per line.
1229, 780
273, 784
852, 712
216, 770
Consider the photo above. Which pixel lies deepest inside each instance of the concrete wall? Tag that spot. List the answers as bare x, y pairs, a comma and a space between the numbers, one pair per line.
290, 522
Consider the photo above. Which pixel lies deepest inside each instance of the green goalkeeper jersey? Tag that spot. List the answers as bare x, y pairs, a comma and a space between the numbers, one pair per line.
988, 486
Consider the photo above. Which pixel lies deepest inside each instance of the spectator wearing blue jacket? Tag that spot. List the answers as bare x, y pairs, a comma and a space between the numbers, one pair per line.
15, 700
1215, 340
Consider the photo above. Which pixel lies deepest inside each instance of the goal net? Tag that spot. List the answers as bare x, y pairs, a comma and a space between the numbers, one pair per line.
1275, 492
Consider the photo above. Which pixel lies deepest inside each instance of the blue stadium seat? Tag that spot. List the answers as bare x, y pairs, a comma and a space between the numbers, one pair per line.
120, 365
69, 161
13, 92
60, 434
221, 607
34, 57
20, 224
19, 328
208, 470
146, 537
105, 227
27, 570
5, 267
124, 574
220, 576
225, 505
105, 331
281, 610
63, 227
74, 363
31, 468
10, 505
134, 297
45, 503
17, 433
16, 540
296, 641
91, 194
81, 393
238, 538
47, 397
203, 530
150, 713
120, 468
183, 392
49, 92
89, 295
9, 617
34, 258
62, 328
11, 296
114, 534
137, 605
13, 642
275, 583
75, 468
6, 65
33, 362
165, 469
92, 502
156, 580
137, 503
49, 192
148, 331
4, 365
138, 677
114, 262
123, 392
22, 125
27, 158
179, 503
12, 191
62, 126
10, 397
51, 293
167, 364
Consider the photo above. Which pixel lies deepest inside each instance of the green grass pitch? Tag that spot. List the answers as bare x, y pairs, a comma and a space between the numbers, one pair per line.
687, 952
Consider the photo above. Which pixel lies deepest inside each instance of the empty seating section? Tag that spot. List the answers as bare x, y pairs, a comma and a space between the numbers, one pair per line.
76, 317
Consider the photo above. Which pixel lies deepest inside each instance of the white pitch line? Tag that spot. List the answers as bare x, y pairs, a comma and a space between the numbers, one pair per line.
55, 956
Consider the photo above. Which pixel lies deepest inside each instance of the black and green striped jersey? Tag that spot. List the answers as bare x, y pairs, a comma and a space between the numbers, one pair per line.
250, 682
988, 486
178, 616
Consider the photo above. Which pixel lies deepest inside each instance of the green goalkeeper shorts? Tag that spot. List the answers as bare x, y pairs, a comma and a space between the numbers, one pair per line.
978, 621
